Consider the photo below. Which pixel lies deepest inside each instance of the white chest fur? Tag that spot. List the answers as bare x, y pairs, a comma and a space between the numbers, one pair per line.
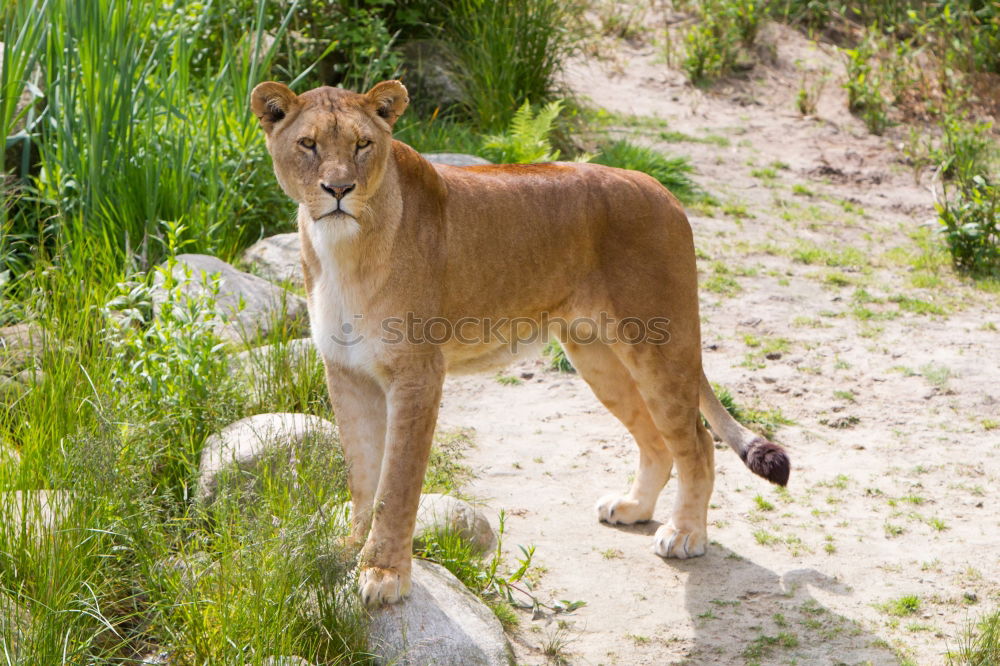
335, 311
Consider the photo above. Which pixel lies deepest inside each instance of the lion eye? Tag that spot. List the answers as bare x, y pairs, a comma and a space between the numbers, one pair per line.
364, 143
307, 143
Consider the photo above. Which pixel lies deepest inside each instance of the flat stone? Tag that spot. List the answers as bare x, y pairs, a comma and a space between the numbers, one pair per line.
277, 258
242, 446
249, 306
440, 623
455, 159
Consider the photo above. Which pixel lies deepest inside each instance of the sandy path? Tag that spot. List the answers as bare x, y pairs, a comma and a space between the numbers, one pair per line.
900, 501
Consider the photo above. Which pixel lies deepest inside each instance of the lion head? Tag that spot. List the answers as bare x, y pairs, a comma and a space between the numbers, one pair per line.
329, 146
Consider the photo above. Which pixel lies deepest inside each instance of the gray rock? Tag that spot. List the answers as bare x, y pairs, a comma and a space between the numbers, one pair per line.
277, 258
438, 512
455, 159
33, 511
430, 77
9, 455
286, 661
443, 512
243, 446
440, 623
21, 345
250, 306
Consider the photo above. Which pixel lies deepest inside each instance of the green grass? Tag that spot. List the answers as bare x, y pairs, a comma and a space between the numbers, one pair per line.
980, 643
901, 607
766, 421
673, 172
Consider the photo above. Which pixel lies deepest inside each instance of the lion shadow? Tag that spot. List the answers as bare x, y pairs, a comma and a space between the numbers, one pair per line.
745, 613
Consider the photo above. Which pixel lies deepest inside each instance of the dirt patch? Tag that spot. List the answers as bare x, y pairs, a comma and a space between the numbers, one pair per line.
822, 298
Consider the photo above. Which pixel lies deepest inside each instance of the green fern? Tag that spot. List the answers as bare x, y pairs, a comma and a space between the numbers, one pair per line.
527, 139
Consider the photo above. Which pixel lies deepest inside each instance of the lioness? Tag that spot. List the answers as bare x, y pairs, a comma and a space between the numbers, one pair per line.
389, 238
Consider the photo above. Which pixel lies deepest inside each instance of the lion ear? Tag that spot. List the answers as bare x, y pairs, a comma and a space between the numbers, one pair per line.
389, 99
271, 102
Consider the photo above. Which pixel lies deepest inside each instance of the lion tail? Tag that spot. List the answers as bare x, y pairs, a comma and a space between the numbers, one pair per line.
762, 457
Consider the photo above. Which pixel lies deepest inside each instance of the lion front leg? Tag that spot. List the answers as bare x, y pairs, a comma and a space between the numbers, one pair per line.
412, 401
360, 408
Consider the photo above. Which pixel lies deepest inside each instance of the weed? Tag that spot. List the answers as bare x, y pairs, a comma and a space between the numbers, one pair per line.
936, 375
738, 211
507, 380
938, 524
810, 90
765, 538
558, 360
762, 503
892, 530
901, 607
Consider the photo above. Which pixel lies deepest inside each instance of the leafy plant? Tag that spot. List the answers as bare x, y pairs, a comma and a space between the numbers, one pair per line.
864, 83
970, 221
672, 172
727, 29
558, 360
527, 139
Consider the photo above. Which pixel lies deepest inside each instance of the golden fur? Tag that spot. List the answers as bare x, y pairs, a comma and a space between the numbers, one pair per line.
386, 236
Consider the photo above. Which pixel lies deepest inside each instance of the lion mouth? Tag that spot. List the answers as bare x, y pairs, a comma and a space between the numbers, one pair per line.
336, 212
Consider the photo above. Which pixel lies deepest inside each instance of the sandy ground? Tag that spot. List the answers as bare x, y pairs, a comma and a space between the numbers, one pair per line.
894, 439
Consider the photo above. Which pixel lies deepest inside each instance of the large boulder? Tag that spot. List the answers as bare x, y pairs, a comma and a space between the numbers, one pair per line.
430, 76
455, 159
277, 258
439, 512
240, 449
440, 623
443, 513
249, 306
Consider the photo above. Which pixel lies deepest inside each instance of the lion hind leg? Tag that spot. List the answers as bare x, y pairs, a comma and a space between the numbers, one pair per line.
670, 393
614, 387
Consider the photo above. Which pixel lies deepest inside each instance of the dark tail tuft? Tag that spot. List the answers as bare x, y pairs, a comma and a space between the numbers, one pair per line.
768, 460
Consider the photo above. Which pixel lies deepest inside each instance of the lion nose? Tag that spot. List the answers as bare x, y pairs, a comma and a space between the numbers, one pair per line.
338, 191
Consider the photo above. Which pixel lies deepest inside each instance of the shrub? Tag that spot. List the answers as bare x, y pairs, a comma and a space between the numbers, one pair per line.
672, 172
727, 28
970, 218
864, 83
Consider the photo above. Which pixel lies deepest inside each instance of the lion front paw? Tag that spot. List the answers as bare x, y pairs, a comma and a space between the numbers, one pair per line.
670, 541
619, 509
380, 586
